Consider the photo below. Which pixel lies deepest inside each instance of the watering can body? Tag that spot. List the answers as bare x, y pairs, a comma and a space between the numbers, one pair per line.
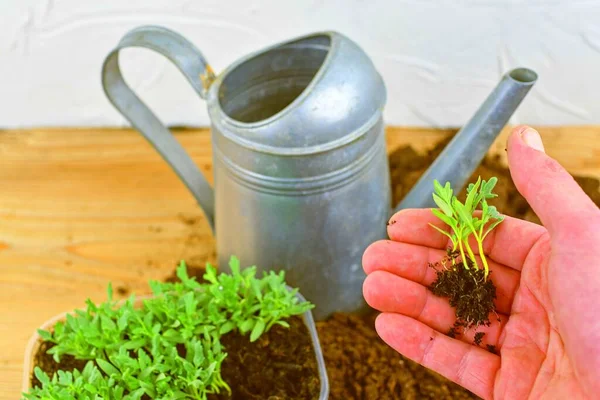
301, 177
301, 173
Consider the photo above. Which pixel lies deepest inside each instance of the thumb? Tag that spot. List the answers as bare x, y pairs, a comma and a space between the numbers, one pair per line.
559, 202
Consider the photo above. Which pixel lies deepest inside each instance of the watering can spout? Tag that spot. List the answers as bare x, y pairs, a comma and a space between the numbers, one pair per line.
466, 150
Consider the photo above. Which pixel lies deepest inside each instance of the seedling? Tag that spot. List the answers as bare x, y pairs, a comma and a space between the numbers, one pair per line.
466, 284
461, 220
170, 347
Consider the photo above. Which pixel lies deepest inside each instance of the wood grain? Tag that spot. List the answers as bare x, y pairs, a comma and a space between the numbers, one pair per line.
82, 207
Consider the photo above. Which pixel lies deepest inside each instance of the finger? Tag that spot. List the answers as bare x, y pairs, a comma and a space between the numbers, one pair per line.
412, 226
469, 366
557, 199
411, 262
389, 293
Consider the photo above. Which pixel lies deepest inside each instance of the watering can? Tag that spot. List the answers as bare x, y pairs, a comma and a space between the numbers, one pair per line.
301, 176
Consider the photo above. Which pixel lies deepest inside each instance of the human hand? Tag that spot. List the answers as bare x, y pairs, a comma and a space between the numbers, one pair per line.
548, 290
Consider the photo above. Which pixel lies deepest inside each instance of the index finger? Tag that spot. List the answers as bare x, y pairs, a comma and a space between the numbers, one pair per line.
467, 365
508, 244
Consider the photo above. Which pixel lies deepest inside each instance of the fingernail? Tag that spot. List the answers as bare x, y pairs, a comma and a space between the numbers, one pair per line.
532, 138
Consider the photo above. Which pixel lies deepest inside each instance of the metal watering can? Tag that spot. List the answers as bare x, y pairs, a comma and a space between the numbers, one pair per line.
300, 167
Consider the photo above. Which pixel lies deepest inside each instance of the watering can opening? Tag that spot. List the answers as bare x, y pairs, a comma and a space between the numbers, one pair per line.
523, 75
262, 86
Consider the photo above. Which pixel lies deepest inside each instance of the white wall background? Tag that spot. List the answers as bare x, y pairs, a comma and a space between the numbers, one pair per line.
440, 58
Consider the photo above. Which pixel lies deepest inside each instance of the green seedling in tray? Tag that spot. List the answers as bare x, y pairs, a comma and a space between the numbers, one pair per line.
169, 347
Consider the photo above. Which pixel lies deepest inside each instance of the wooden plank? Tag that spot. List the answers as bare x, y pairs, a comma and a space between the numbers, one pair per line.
82, 207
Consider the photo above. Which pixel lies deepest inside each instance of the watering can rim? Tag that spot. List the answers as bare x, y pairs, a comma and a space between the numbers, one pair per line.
213, 91
217, 114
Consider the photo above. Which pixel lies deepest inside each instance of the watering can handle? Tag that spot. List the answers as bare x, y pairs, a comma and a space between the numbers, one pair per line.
192, 63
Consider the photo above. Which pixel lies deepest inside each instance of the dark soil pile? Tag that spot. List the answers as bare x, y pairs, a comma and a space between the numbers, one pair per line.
281, 364
360, 365
49, 366
469, 293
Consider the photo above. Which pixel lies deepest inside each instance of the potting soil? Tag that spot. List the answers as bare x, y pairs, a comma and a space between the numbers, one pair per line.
281, 364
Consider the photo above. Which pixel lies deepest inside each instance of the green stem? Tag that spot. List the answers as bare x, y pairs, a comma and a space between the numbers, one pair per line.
453, 250
471, 254
462, 253
483, 259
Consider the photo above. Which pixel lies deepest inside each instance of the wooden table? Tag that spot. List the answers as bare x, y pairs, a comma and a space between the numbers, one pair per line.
82, 207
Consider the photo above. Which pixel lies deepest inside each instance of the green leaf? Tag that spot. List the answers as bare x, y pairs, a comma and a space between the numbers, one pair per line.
488, 187
110, 292
59, 329
72, 323
134, 344
136, 395
45, 335
472, 192
451, 222
234, 265
107, 367
493, 213
283, 323
90, 388
211, 274
478, 223
246, 325
148, 320
198, 354
491, 227
148, 389
445, 207
41, 376
464, 216
445, 192
437, 187
107, 323
226, 327
258, 330
190, 305
256, 289
156, 287
182, 272
122, 321
173, 334
64, 379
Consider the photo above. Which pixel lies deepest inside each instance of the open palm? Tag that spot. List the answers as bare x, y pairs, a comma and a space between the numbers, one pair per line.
547, 332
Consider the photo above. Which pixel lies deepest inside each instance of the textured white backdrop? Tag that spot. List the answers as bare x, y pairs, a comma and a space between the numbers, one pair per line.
439, 58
